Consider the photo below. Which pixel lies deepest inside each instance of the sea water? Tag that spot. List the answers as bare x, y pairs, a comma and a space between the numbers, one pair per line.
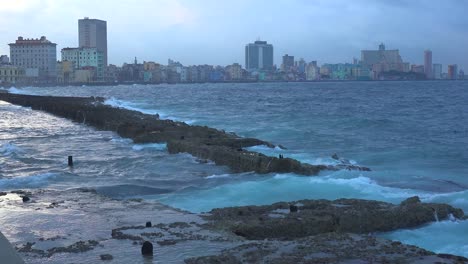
413, 135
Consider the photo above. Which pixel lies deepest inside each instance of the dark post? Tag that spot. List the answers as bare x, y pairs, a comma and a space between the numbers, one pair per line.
70, 161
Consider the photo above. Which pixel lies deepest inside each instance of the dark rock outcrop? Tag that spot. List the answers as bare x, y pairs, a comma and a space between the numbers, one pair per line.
327, 248
106, 257
200, 141
323, 216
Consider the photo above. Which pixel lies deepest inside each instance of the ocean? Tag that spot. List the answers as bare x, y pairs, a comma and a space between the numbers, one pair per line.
413, 135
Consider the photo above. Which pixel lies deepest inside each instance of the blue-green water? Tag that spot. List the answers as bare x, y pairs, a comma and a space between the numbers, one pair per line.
413, 135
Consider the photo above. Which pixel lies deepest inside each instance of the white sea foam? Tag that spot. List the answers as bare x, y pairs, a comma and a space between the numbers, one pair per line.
33, 181
215, 176
302, 157
122, 140
157, 146
136, 107
15, 90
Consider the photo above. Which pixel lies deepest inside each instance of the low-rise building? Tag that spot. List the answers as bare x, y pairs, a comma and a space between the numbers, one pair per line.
234, 72
10, 74
65, 72
4, 59
85, 58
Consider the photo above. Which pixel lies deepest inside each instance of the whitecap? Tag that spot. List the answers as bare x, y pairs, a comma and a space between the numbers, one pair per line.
156, 146
215, 176
33, 181
9, 149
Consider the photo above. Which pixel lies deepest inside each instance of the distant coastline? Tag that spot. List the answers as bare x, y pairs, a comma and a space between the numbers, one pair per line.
9, 85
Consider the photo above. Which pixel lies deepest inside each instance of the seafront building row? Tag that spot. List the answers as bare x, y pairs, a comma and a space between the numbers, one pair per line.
34, 61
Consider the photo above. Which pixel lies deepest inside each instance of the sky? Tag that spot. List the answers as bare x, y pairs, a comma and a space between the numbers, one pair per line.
216, 31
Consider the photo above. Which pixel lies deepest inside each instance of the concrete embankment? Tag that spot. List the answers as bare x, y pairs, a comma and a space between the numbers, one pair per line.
8, 253
200, 141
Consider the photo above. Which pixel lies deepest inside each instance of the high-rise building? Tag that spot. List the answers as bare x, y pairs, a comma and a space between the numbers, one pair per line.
259, 56
452, 72
93, 34
428, 64
437, 71
288, 62
38, 57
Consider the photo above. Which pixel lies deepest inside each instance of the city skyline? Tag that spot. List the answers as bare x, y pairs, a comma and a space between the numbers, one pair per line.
176, 29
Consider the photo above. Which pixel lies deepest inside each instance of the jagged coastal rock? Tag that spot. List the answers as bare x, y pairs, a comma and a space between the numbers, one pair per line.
200, 141
312, 217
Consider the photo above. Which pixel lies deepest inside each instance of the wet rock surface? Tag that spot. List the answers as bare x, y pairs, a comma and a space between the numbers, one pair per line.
97, 227
312, 217
200, 141
327, 248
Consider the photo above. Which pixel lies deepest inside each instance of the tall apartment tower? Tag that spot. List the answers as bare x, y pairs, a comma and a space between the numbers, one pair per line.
259, 56
288, 62
428, 64
93, 34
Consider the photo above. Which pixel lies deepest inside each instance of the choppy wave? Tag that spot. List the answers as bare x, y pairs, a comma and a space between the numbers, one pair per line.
441, 237
34, 181
15, 90
9, 149
215, 176
139, 108
302, 157
129, 190
290, 187
130, 106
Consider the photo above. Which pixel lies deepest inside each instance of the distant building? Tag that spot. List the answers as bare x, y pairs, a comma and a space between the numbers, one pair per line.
428, 64
312, 71
65, 72
288, 62
417, 68
38, 57
93, 34
383, 60
85, 57
234, 72
452, 72
461, 75
9, 74
259, 56
4, 59
437, 71
301, 65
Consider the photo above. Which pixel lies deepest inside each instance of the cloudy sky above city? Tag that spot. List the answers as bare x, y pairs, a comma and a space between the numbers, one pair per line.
215, 32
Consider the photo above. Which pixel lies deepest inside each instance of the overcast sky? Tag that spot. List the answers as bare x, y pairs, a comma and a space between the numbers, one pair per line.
216, 31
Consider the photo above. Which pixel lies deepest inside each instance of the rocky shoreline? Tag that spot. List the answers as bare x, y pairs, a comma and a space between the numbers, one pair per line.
226, 149
86, 227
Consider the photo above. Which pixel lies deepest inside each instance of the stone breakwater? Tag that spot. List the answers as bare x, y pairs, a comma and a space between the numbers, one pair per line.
200, 141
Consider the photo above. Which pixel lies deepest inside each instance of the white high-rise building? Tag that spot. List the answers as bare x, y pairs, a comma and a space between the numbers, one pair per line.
437, 71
